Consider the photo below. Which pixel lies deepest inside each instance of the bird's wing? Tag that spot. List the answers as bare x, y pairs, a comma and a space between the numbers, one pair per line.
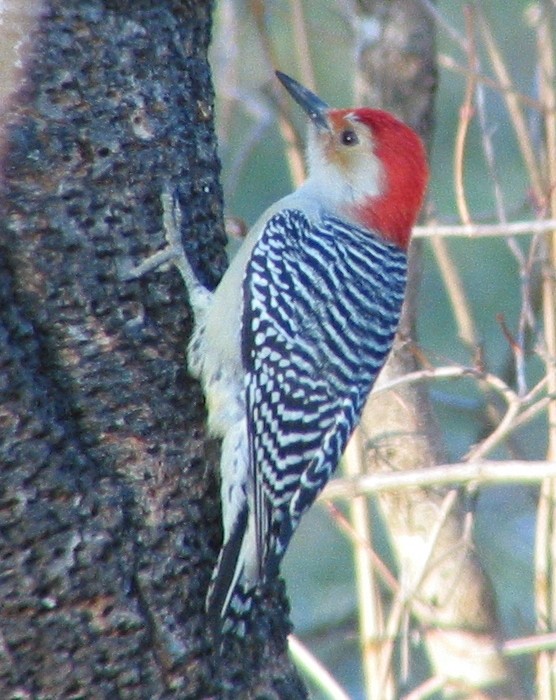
321, 306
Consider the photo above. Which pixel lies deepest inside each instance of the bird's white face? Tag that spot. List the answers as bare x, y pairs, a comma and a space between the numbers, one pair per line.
364, 165
342, 163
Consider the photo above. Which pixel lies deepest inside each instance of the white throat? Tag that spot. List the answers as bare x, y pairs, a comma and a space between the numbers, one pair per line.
342, 187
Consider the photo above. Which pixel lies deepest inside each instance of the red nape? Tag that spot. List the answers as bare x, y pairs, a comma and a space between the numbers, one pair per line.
406, 173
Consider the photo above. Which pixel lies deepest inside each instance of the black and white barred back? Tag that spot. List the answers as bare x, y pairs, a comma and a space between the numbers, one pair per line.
321, 307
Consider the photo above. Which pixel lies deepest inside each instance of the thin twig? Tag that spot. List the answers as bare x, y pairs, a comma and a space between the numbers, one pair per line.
530, 645
532, 412
384, 573
402, 602
502, 430
439, 18
465, 116
292, 142
301, 43
371, 627
456, 293
321, 676
514, 108
545, 555
450, 63
525, 317
513, 401
427, 689
477, 473
452, 372
513, 228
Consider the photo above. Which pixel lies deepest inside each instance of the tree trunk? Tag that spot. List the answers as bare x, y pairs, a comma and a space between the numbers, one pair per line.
109, 516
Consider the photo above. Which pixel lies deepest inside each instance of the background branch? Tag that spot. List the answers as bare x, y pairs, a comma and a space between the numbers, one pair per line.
399, 429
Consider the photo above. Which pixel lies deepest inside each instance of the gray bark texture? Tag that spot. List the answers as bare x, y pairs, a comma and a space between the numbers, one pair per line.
109, 512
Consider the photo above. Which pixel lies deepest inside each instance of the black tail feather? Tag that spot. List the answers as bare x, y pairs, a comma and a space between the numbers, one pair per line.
228, 600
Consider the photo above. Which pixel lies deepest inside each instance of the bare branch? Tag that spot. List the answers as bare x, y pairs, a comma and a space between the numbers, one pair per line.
463, 473
513, 228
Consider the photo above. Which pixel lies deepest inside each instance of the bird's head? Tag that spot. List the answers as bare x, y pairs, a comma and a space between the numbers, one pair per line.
365, 164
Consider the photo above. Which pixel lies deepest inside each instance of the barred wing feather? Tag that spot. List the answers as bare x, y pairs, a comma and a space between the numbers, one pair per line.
321, 306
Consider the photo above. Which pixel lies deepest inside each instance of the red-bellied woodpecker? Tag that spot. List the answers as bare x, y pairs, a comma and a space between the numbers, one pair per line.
291, 341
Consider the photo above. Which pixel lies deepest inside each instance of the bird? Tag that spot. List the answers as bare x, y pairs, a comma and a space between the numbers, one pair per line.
289, 344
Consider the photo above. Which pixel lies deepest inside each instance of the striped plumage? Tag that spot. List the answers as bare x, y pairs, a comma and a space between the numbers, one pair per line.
291, 341
321, 307
321, 304
289, 344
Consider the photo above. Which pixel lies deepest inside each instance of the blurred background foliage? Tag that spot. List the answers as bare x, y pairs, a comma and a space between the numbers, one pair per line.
318, 568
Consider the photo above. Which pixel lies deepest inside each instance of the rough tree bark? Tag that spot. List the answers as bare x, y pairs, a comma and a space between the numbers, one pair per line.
109, 517
452, 597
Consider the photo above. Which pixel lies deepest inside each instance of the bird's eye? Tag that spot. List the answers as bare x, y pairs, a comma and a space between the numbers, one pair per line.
349, 137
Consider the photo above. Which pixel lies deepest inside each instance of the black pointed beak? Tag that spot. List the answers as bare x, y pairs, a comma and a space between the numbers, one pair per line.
314, 107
